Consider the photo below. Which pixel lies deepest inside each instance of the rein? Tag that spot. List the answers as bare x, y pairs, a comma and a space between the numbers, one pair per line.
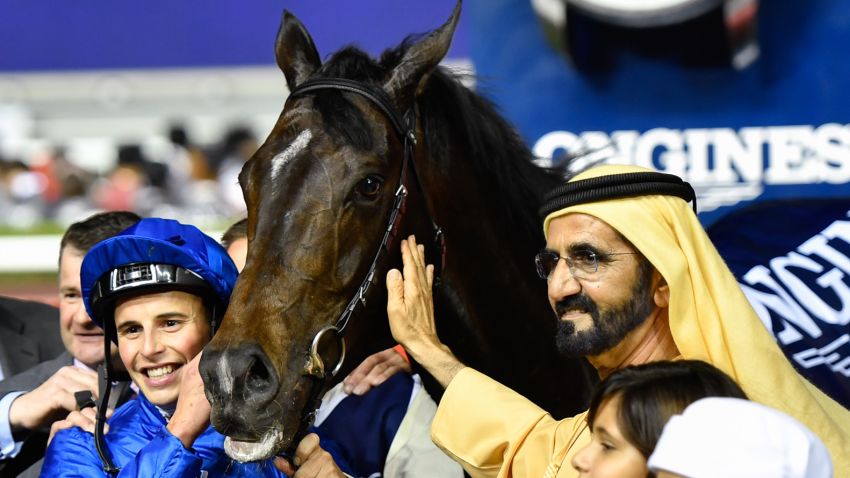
405, 130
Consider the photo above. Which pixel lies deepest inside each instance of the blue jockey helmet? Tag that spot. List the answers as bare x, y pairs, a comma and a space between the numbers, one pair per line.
155, 255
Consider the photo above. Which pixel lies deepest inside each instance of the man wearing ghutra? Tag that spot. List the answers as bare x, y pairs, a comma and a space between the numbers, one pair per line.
640, 281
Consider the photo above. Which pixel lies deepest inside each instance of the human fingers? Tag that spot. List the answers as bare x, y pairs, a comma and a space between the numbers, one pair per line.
408, 261
69, 383
396, 312
56, 427
192, 415
317, 463
88, 378
375, 370
52, 400
320, 465
416, 285
61, 387
412, 277
414, 248
284, 465
192, 367
359, 373
193, 371
380, 374
192, 385
429, 279
70, 379
418, 300
418, 257
82, 420
376, 376
91, 413
305, 448
421, 267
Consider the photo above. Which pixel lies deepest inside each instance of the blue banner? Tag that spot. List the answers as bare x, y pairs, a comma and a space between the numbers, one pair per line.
777, 128
104, 34
792, 259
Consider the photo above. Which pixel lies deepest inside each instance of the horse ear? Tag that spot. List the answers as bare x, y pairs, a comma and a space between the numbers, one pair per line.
295, 51
408, 79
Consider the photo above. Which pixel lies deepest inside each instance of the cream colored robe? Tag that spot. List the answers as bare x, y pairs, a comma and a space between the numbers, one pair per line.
493, 431
710, 319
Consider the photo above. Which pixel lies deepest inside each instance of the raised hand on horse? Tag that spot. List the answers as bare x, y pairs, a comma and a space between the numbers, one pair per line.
410, 308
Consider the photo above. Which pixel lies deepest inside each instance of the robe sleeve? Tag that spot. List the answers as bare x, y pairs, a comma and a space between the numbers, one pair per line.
493, 431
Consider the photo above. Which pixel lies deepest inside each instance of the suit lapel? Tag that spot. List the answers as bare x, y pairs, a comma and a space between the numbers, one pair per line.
17, 352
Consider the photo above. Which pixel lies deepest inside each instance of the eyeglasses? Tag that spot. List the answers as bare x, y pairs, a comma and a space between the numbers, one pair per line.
583, 263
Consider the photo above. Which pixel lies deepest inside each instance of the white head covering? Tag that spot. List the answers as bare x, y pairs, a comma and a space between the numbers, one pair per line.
729, 437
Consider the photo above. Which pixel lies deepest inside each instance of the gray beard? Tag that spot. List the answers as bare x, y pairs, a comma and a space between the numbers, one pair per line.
610, 326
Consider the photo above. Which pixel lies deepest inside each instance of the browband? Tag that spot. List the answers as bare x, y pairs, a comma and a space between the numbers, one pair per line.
616, 186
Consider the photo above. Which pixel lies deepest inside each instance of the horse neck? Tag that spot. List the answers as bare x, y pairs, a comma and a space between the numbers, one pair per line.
489, 282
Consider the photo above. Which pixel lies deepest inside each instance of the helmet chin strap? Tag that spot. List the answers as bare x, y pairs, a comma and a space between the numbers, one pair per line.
105, 377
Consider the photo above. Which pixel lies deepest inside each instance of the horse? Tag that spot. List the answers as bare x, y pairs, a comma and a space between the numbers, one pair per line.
366, 152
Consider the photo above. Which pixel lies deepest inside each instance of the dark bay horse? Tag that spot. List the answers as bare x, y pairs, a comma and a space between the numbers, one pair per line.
321, 193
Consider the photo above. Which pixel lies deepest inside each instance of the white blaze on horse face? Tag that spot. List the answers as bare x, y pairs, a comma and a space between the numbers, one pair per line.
301, 142
224, 376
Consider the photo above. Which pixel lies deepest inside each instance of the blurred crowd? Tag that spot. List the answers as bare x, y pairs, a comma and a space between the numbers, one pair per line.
194, 183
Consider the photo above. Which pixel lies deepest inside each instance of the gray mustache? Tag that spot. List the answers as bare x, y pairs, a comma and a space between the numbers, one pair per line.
576, 302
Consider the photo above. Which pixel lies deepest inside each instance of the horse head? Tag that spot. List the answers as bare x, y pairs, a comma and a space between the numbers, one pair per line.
326, 194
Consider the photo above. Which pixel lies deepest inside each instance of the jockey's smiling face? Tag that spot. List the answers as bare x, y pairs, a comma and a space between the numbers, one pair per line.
157, 335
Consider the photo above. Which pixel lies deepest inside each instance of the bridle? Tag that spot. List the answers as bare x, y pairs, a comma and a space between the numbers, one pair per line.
404, 127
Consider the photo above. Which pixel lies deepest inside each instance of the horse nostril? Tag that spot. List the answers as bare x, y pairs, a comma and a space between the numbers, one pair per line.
258, 377
252, 373
233, 376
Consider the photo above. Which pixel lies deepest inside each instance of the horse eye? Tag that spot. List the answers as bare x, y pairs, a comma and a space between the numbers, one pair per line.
369, 186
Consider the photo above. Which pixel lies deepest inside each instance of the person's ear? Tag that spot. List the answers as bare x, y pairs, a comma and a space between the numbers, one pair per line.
661, 297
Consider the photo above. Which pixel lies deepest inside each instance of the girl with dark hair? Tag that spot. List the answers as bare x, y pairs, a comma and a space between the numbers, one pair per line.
630, 407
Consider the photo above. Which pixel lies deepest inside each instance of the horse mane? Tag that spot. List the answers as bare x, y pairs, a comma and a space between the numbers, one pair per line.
452, 116
492, 146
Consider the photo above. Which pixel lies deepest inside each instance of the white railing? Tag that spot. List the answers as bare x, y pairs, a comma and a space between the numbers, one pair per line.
29, 253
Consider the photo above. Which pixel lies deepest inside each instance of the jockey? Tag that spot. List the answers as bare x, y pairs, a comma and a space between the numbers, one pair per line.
158, 289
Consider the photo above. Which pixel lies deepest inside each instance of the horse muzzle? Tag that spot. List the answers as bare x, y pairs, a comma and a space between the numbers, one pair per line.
241, 385
245, 451
258, 411
239, 373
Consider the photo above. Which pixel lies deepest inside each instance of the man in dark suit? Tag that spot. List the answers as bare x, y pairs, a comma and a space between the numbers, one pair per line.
32, 400
27, 446
28, 335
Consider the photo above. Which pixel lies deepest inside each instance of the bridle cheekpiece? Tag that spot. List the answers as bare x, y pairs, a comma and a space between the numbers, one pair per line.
405, 129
